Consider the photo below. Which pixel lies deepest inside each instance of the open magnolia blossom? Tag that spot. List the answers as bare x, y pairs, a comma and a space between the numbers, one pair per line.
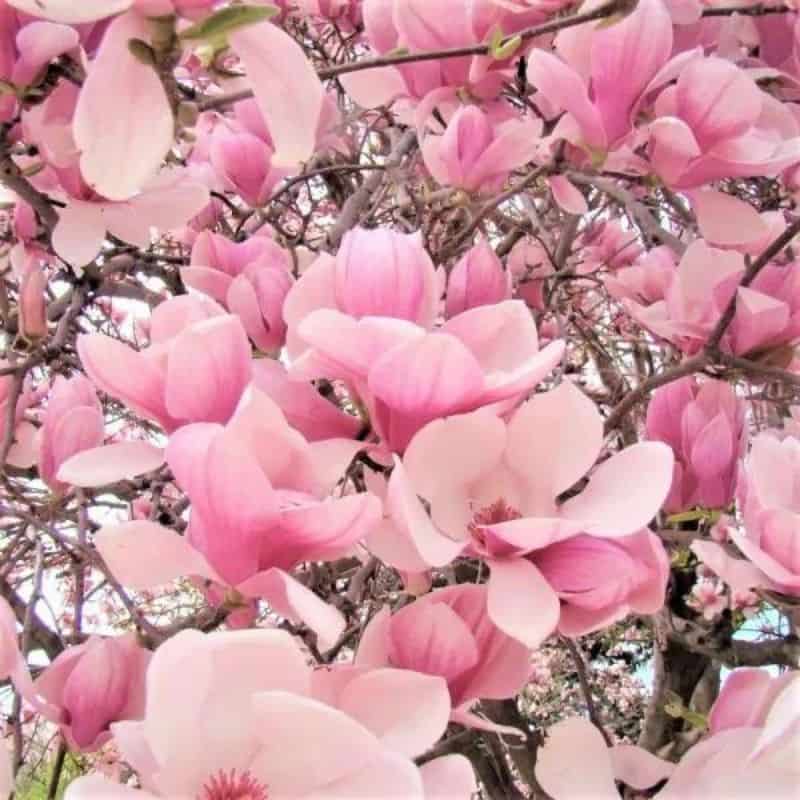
260, 506
498, 500
267, 734
384, 383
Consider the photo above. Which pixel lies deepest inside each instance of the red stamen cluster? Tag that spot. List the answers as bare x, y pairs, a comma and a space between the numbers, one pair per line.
230, 786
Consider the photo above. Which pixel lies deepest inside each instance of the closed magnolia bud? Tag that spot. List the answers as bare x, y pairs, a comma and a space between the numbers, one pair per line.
478, 279
382, 273
95, 684
32, 306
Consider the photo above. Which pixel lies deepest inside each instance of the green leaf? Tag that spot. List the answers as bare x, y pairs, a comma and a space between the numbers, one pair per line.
506, 49
227, 20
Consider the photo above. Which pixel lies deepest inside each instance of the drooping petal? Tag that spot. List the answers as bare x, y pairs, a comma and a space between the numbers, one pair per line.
79, 233
123, 122
289, 598
638, 768
125, 374
726, 220
286, 87
142, 554
100, 466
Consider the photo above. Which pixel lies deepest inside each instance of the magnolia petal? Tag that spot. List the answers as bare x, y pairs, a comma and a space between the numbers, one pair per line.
625, 492
100, 466
521, 602
286, 87
725, 220
449, 778
556, 766
142, 554
289, 598
120, 148
69, 12
79, 233
379, 701
638, 768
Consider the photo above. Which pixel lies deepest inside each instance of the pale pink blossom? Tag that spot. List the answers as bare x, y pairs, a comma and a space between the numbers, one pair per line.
491, 488
261, 505
601, 97
73, 422
376, 273
251, 279
706, 279
249, 724
715, 122
407, 376
769, 499
195, 369
476, 152
751, 750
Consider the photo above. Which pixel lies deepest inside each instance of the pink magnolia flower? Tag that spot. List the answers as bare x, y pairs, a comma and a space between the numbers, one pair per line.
164, 200
704, 424
265, 734
770, 504
492, 487
767, 312
752, 749
647, 280
407, 377
601, 97
477, 153
260, 506
607, 244
73, 422
195, 369
715, 122
93, 685
478, 279
251, 279
376, 273
449, 633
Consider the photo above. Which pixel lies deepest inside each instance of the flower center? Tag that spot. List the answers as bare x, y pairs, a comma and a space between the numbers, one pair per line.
499, 511
230, 786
